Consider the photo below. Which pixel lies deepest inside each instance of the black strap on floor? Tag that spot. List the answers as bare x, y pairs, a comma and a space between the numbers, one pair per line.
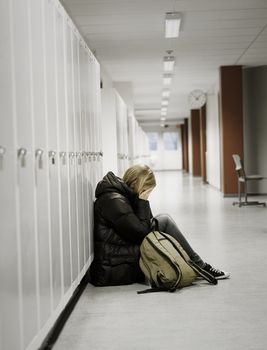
54, 333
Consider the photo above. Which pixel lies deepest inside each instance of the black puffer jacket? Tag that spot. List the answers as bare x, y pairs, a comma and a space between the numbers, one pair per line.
121, 221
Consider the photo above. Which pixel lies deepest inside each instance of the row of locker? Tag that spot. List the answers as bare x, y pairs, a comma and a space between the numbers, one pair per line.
50, 162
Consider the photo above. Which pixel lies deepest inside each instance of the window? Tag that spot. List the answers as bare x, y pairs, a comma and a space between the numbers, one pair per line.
170, 141
153, 141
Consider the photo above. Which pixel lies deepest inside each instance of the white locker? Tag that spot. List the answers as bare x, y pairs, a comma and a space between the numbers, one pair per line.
84, 105
78, 151
25, 168
63, 148
10, 334
72, 159
41, 159
50, 126
50, 36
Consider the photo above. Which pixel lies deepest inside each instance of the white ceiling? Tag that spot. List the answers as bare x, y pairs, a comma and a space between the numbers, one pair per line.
128, 39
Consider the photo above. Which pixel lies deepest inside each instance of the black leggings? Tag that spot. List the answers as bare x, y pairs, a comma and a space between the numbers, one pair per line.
167, 225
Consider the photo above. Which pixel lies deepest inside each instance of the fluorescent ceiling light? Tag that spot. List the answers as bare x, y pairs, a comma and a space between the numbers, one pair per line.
162, 119
172, 24
166, 93
168, 63
164, 102
163, 110
167, 79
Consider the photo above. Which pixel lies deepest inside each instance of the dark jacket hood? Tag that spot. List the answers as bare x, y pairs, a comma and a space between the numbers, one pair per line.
112, 183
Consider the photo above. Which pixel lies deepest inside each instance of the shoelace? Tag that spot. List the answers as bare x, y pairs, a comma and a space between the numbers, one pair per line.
212, 269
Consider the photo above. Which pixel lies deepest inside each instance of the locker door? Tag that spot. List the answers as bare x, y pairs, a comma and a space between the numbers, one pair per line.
83, 84
41, 159
9, 257
25, 167
99, 138
88, 196
79, 132
71, 131
90, 148
50, 57
61, 109
92, 122
77, 129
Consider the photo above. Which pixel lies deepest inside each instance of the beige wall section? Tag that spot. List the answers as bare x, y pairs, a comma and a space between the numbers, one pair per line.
109, 130
213, 139
231, 121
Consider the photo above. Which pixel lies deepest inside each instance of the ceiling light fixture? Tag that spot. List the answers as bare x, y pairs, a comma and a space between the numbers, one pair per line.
172, 24
164, 102
166, 93
167, 79
163, 119
168, 63
163, 110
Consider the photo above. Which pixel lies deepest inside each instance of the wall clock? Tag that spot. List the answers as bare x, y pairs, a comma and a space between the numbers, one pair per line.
196, 99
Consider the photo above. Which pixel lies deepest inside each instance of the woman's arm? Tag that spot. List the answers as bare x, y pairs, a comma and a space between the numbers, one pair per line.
131, 224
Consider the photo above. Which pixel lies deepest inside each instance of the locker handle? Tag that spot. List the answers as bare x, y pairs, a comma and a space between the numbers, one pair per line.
71, 157
2, 152
22, 152
52, 155
38, 154
63, 157
78, 155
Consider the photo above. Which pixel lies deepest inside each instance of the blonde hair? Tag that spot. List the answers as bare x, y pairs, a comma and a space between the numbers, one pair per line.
139, 178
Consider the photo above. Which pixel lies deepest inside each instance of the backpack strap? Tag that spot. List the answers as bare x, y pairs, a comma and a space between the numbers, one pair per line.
201, 272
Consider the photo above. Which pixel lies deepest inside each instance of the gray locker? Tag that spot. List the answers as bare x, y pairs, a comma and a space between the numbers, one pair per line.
25, 168
72, 151
41, 159
50, 57
10, 336
49, 128
62, 142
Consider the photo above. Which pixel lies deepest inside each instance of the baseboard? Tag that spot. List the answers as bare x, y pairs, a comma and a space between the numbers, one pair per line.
54, 333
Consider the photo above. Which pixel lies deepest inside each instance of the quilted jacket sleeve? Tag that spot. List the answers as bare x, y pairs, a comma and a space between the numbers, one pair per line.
132, 224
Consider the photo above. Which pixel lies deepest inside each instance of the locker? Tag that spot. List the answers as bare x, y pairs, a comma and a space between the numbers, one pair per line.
41, 159
84, 102
72, 161
62, 142
79, 134
10, 334
50, 125
50, 59
25, 168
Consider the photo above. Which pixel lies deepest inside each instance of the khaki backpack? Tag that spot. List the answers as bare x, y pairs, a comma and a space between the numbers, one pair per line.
166, 265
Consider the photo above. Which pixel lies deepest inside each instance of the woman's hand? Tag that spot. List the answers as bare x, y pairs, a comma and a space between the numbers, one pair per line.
145, 194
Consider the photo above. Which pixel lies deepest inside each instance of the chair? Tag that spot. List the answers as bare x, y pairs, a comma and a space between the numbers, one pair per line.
243, 178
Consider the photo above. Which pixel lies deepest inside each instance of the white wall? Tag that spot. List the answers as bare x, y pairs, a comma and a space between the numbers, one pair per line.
213, 140
109, 125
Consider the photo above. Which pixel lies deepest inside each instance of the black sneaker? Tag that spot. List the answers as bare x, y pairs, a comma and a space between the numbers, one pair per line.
217, 274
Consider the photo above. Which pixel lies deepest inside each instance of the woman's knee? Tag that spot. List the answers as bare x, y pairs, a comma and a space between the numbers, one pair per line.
163, 220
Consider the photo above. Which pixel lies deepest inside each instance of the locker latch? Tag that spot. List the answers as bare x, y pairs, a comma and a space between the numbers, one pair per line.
63, 157
39, 156
2, 152
52, 155
22, 156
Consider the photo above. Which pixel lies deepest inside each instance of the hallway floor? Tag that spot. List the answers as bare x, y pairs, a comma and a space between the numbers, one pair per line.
229, 316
